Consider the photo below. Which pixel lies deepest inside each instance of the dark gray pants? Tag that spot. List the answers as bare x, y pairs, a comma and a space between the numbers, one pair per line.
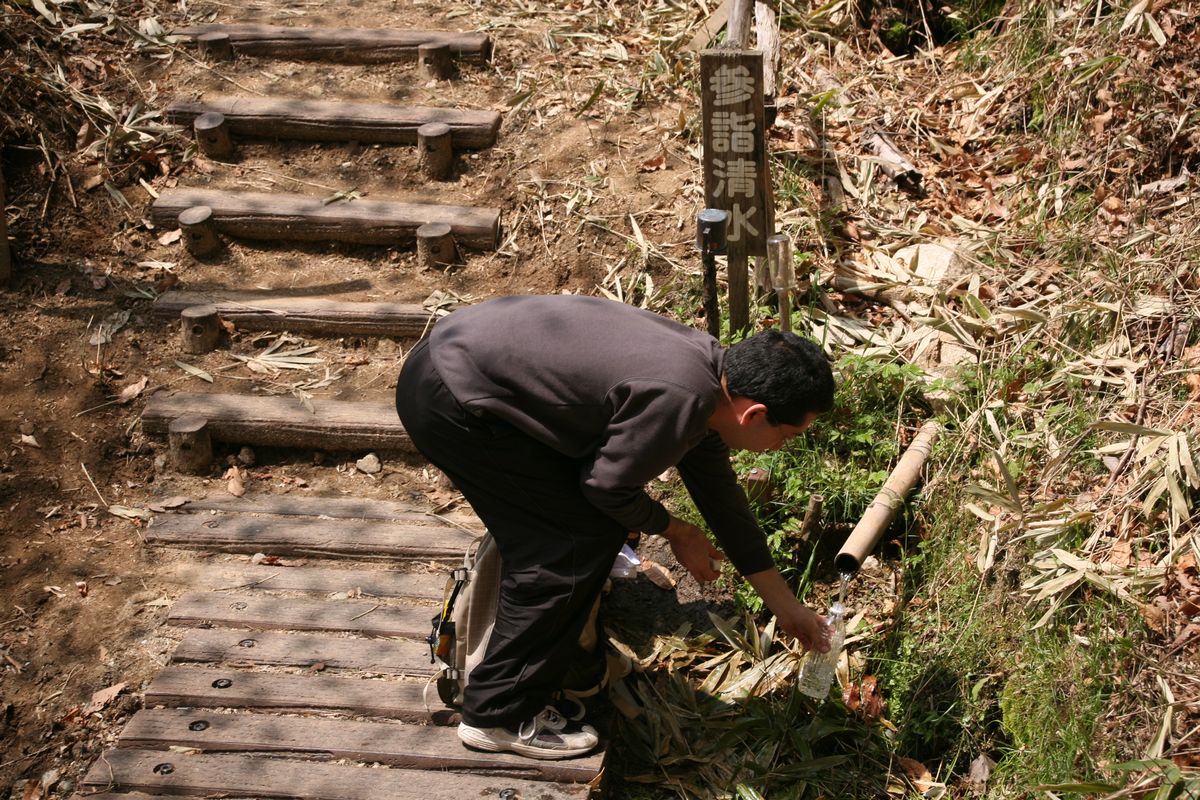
556, 547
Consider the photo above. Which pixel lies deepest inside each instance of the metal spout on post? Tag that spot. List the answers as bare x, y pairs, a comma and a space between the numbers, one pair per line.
883, 508
712, 225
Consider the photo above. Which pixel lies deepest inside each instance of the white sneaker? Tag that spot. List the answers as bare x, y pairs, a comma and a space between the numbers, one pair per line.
547, 735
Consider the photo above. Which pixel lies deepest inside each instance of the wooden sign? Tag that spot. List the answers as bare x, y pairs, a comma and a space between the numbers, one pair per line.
736, 176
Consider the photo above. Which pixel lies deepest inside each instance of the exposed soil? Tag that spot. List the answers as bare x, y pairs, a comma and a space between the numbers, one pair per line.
84, 599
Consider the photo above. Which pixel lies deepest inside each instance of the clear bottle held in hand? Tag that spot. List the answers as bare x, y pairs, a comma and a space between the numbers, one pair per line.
816, 677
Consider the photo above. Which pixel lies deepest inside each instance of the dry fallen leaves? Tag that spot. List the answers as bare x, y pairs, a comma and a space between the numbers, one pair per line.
234, 483
102, 698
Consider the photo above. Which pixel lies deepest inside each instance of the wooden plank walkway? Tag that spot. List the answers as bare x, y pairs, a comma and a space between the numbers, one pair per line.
267, 690
338, 121
241, 533
267, 311
282, 421
317, 580
273, 216
401, 657
344, 45
251, 776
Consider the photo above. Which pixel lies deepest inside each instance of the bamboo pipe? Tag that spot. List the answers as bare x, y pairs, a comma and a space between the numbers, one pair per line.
883, 508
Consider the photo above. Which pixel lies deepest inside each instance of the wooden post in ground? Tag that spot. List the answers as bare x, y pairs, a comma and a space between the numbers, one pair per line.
200, 328
199, 233
215, 46
737, 31
5, 253
435, 151
435, 245
212, 136
433, 61
190, 444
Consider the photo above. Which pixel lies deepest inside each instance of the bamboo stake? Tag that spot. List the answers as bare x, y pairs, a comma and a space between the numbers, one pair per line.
883, 508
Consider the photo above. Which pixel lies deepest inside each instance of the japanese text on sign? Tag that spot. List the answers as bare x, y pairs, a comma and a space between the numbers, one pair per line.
735, 176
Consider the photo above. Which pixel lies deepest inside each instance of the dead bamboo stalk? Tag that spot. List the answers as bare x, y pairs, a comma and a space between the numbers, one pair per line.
737, 30
883, 508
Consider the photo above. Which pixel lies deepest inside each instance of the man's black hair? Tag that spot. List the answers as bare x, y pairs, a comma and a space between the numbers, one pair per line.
785, 372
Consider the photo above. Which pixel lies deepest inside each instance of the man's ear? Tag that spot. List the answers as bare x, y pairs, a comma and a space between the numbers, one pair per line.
748, 414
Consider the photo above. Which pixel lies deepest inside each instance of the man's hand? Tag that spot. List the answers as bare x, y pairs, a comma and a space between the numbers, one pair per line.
808, 627
693, 550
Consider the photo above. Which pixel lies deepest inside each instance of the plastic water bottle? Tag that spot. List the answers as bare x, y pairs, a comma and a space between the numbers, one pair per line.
816, 678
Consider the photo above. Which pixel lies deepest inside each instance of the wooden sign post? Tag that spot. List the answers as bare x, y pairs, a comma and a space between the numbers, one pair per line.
736, 173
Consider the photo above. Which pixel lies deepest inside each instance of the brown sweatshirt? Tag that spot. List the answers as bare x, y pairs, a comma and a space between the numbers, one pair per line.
626, 392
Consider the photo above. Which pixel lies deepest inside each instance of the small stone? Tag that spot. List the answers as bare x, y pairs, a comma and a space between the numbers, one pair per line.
160, 463
246, 457
49, 778
369, 464
66, 786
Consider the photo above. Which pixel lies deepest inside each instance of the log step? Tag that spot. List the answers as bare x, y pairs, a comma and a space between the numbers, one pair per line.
399, 657
313, 580
263, 777
282, 421
275, 216
338, 121
362, 617
309, 536
395, 744
259, 311
343, 45
227, 687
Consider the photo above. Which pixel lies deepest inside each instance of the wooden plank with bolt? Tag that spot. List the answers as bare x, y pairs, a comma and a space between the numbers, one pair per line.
398, 657
282, 421
346, 538
343, 45
233, 688
380, 582
267, 311
338, 121
338, 507
393, 743
258, 612
263, 777
274, 216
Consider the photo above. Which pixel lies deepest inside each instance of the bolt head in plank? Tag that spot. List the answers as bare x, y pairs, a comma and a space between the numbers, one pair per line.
435, 150
212, 135
190, 444
199, 232
433, 61
215, 46
435, 245
200, 328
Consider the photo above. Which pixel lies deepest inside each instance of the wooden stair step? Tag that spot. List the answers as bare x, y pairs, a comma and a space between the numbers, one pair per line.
330, 506
349, 538
346, 45
363, 617
398, 657
227, 687
266, 777
393, 743
313, 580
282, 421
338, 120
273, 216
259, 311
